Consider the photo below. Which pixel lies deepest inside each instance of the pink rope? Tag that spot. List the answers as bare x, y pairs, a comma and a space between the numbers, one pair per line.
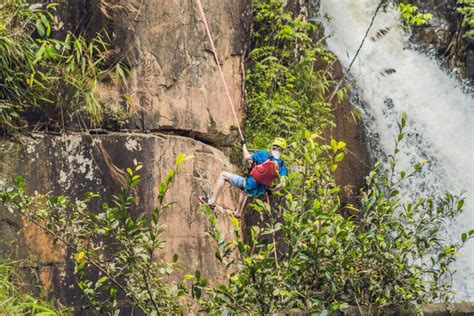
208, 31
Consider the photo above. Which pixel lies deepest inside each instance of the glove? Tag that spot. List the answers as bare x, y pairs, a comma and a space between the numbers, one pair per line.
242, 142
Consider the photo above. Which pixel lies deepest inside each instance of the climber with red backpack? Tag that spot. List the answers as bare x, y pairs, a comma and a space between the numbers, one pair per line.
267, 166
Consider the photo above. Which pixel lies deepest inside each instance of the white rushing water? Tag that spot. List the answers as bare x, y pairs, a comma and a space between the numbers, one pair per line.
392, 78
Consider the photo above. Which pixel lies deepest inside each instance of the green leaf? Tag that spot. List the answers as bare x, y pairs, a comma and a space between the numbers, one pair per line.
40, 28
197, 274
235, 222
102, 279
188, 277
79, 256
340, 156
334, 145
197, 292
45, 22
181, 158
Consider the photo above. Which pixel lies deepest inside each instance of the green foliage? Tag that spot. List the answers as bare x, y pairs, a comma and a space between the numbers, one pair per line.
56, 77
17, 51
114, 247
308, 255
466, 9
412, 17
13, 302
286, 88
387, 251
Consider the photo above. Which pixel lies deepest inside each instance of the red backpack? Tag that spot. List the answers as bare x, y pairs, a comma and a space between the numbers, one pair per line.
266, 172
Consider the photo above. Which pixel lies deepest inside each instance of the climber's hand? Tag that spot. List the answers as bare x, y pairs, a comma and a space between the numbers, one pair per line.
243, 141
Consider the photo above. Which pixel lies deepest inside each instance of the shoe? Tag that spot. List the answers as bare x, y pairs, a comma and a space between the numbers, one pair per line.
236, 215
205, 200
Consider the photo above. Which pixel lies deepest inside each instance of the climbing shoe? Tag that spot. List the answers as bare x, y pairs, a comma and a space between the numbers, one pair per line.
205, 200
236, 215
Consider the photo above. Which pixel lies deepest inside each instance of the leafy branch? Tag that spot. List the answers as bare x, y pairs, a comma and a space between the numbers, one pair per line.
114, 248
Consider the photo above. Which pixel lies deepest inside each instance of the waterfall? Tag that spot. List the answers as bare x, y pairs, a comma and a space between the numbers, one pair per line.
391, 78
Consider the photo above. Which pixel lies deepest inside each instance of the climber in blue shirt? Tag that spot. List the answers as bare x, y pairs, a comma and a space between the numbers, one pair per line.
267, 167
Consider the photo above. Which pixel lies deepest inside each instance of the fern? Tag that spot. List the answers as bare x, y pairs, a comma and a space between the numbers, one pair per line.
286, 90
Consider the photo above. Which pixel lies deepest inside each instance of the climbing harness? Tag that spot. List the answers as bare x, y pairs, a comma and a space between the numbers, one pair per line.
208, 31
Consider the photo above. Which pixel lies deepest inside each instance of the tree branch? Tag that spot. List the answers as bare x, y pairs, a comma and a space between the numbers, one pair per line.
87, 258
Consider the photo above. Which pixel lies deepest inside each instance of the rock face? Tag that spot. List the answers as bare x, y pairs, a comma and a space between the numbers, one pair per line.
351, 172
174, 83
176, 77
75, 164
445, 35
175, 88
441, 29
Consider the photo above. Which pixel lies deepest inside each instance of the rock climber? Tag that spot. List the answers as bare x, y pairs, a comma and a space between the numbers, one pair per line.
267, 166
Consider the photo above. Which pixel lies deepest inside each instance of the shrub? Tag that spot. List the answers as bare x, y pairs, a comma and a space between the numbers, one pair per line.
412, 17
285, 85
387, 251
114, 248
54, 77
466, 9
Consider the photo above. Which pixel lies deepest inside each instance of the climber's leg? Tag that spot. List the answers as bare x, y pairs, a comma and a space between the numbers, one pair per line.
240, 207
234, 179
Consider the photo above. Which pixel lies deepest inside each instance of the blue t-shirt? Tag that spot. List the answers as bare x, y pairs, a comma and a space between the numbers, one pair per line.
259, 157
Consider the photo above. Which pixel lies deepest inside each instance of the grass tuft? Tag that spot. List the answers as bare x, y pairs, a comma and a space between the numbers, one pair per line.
13, 302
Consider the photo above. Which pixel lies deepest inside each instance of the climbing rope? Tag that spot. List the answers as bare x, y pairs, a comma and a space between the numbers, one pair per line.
208, 31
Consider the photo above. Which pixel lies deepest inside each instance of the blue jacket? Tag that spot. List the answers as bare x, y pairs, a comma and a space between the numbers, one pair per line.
251, 186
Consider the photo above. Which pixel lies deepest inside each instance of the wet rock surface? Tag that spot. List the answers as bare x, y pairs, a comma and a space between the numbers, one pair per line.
445, 35
351, 172
441, 29
175, 89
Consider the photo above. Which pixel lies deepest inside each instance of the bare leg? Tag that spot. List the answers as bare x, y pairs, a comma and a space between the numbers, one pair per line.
241, 205
219, 185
